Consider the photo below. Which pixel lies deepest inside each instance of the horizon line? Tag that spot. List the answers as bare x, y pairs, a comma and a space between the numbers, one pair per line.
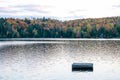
57, 18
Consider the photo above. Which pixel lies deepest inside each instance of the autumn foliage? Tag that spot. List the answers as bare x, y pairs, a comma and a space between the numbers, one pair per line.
108, 27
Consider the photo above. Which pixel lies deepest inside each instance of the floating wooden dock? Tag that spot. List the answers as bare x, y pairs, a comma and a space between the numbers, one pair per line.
82, 67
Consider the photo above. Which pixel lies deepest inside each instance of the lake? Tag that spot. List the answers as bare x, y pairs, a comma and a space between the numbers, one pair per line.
52, 60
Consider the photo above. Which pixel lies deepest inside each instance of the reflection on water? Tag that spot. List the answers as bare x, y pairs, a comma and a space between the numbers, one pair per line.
53, 60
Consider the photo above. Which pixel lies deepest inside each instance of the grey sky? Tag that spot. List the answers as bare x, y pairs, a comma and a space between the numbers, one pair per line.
60, 9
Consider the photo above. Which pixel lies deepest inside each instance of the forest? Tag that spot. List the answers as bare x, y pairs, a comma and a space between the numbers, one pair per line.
108, 27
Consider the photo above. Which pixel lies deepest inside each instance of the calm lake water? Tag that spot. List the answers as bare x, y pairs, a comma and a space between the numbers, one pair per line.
52, 60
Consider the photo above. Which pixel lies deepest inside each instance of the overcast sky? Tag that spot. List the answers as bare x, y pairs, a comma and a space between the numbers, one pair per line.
59, 9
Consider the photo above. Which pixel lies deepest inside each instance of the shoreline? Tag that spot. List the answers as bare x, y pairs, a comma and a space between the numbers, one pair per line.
59, 39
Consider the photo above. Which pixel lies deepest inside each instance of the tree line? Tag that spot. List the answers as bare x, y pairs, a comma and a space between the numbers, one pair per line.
108, 27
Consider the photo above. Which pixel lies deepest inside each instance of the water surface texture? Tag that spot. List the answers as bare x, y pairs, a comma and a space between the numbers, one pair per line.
52, 60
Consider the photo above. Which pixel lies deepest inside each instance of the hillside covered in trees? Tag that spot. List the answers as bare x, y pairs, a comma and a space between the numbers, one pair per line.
108, 27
